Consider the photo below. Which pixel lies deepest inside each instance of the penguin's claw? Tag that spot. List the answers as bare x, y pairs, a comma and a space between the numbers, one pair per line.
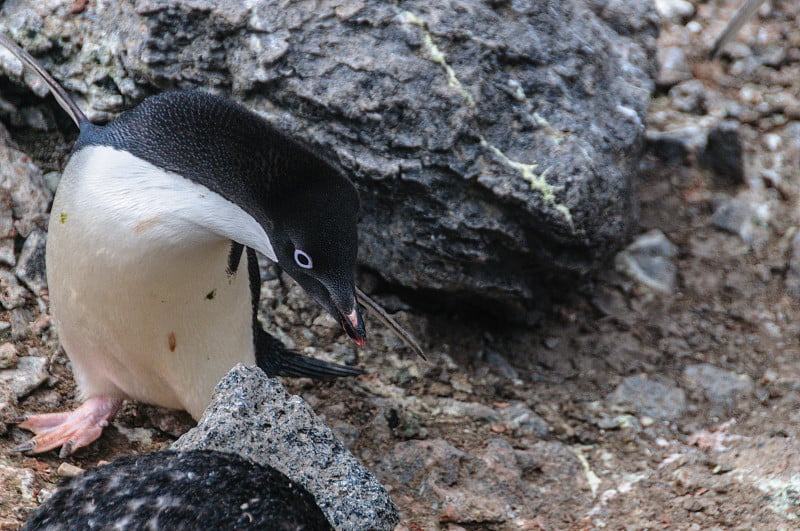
71, 430
27, 446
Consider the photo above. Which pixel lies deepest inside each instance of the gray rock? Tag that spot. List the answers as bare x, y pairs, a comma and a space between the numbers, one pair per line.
31, 263
677, 10
474, 113
744, 215
500, 364
8, 356
674, 67
649, 260
253, 415
23, 479
524, 422
654, 396
792, 279
719, 385
23, 182
30, 373
20, 321
689, 96
471, 411
7, 232
12, 294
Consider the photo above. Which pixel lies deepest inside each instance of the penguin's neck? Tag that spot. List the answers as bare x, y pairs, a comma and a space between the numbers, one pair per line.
155, 205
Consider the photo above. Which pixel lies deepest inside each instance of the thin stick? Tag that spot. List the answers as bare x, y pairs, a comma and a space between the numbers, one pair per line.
741, 16
63, 99
390, 323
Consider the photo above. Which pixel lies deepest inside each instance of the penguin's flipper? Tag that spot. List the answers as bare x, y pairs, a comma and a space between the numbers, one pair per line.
275, 359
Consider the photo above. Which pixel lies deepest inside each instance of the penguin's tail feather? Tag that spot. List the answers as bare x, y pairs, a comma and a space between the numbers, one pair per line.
62, 97
275, 359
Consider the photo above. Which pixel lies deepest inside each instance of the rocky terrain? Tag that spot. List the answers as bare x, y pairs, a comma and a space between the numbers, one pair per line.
663, 394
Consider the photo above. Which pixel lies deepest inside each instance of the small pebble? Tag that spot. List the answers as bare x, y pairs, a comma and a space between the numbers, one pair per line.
8, 356
67, 470
674, 9
694, 26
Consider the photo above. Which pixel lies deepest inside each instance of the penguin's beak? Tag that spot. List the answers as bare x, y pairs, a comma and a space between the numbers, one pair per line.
353, 324
340, 304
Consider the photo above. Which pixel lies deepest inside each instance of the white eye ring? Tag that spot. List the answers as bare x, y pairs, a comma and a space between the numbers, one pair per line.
302, 259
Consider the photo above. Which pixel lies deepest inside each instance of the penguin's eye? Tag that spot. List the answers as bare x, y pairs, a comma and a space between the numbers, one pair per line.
302, 259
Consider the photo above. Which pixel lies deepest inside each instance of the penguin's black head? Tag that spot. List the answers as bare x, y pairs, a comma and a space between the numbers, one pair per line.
304, 203
315, 239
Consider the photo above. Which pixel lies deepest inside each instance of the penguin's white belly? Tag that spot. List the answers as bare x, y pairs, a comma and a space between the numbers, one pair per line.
139, 289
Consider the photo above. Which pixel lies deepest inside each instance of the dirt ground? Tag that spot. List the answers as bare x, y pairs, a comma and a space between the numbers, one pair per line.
628, 407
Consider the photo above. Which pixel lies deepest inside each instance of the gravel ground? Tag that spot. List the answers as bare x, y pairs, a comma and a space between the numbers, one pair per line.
665, 394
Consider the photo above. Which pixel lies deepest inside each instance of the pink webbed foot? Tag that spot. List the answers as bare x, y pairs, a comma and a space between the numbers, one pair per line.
70, 430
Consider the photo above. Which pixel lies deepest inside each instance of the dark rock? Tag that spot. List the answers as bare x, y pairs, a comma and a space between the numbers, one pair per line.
31, 264
253, 416
494, 144
723, 154
180, 490
677, 145
654, 396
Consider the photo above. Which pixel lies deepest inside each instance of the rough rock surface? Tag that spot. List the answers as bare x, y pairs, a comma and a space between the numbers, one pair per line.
466, 127
253, 416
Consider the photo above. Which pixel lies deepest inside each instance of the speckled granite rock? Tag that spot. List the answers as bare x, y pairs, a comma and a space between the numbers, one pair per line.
253, 415
494, 143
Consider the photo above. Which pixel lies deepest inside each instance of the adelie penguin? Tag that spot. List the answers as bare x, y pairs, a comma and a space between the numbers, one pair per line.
151, 254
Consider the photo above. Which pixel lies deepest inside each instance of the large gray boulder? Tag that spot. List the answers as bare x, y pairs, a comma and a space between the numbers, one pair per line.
494, 142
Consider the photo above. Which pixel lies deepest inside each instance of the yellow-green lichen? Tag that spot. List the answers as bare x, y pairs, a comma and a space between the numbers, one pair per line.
591, 477
527, 170
537, 181
63, 218
436, 55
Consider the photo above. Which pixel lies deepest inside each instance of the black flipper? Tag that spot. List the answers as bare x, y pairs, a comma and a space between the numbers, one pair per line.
275, 359
272, 356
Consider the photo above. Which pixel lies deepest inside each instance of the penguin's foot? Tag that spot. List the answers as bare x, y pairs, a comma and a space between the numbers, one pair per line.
69, 430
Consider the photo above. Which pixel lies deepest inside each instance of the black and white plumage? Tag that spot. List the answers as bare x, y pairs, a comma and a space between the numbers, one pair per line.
200, 489
151, 254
